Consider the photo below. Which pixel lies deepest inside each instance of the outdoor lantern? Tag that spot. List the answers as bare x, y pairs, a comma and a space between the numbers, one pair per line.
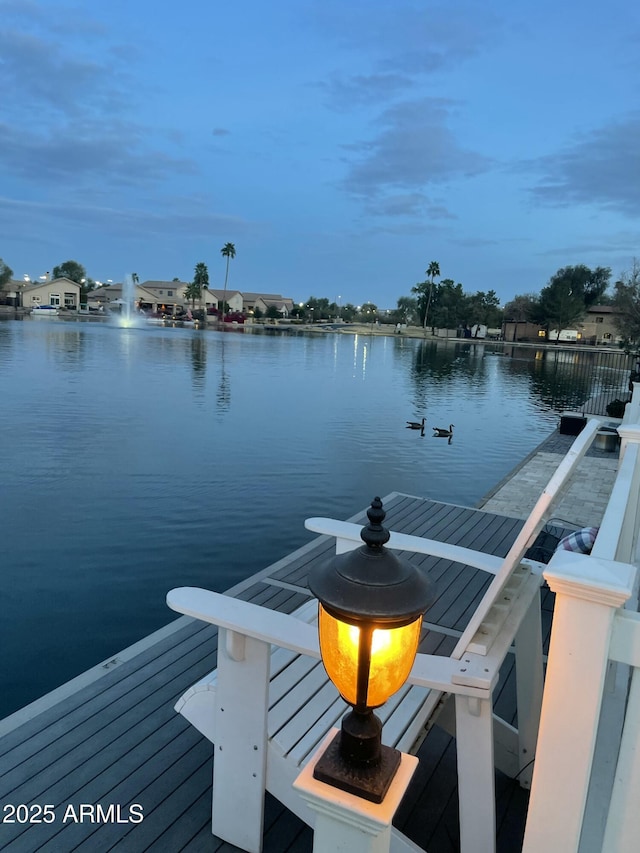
369, 620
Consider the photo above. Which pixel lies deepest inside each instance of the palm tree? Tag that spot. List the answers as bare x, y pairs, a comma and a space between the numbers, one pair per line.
192, 291
228, 251
201, 280
433, 270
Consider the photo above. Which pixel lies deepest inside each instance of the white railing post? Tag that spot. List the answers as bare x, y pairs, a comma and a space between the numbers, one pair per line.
348, 824
629, 429
588, 592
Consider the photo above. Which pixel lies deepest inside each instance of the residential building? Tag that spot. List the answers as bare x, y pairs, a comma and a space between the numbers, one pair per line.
170, 295
251, 301
112, 294
282, 305
596, 328
61, 292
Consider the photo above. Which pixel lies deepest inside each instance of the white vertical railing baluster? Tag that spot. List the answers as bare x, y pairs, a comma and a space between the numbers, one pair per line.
588, 592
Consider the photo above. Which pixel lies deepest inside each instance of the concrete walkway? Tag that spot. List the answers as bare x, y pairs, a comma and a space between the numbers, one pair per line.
585, 499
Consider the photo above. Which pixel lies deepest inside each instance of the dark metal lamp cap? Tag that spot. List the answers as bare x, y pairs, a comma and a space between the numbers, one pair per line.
371, 583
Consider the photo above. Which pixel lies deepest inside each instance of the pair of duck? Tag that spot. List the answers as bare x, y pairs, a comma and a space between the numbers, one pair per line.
441, 432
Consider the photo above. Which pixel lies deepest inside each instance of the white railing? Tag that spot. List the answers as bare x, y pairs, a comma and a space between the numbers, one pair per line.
576, 803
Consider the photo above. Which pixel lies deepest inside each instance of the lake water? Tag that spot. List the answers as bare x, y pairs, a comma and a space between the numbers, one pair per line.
136, 460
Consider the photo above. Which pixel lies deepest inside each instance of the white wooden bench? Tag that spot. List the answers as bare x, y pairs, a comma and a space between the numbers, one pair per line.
269, 704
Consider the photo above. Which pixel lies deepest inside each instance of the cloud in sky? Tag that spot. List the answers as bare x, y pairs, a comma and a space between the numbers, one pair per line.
86, 152
71, 116
401, 44
413, 148
396, 133
598, 168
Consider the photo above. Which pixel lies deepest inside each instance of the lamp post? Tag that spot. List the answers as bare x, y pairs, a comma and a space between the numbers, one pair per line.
370, 615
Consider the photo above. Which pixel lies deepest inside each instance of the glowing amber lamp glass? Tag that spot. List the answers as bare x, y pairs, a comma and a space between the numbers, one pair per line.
367, 667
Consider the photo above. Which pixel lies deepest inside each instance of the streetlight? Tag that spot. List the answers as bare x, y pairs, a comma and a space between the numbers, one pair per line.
370, 615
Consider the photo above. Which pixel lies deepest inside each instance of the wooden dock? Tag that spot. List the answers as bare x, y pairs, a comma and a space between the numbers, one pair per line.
117, 741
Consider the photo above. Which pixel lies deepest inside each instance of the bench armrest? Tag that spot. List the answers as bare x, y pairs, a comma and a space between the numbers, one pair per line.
406, 542
281, 629
248, 619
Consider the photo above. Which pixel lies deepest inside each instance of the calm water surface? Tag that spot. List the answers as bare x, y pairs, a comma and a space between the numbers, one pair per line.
135, 460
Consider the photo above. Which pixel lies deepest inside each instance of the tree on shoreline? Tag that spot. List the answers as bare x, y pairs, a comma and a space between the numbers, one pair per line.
521, 309
571, 290
433, 270
627, 300
228, 251
200, 283
424, 291
71, 270
6, 274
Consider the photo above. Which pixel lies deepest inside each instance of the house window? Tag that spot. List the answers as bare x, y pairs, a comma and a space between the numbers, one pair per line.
35, 300
160, 292
69, 300
169, 292
541, 333
599, 319
54, 299
606, 336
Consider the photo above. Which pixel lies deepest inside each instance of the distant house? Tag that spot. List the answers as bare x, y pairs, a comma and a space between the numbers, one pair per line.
597, 328
262, 301
112, 294
233, 299
513, 332
10, 293
167, 293
170, 293
282, 305
61, 292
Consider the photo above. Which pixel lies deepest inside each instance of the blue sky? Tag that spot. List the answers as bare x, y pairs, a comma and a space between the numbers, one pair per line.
341, 146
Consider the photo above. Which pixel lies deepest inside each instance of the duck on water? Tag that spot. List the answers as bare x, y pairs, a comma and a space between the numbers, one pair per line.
442, 432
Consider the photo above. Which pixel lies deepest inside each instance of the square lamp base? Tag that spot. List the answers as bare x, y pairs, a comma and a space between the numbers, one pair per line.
369, 783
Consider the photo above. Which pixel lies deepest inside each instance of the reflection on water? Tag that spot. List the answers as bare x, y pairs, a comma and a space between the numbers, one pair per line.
132, 468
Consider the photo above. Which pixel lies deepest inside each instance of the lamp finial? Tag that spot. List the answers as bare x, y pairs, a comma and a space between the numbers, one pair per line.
374, 535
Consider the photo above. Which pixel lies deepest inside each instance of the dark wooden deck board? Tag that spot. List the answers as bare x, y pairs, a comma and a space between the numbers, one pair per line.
118, 740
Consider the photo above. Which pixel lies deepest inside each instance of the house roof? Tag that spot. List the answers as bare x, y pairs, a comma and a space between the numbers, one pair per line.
220, 293
279, 302
35, 285
603, 309
112, 291
171, 285
263, 296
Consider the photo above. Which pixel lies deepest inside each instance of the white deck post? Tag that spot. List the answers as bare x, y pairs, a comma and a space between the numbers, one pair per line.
476, 774
529, 687
629, 429
346, 823
240, 758
588, 591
